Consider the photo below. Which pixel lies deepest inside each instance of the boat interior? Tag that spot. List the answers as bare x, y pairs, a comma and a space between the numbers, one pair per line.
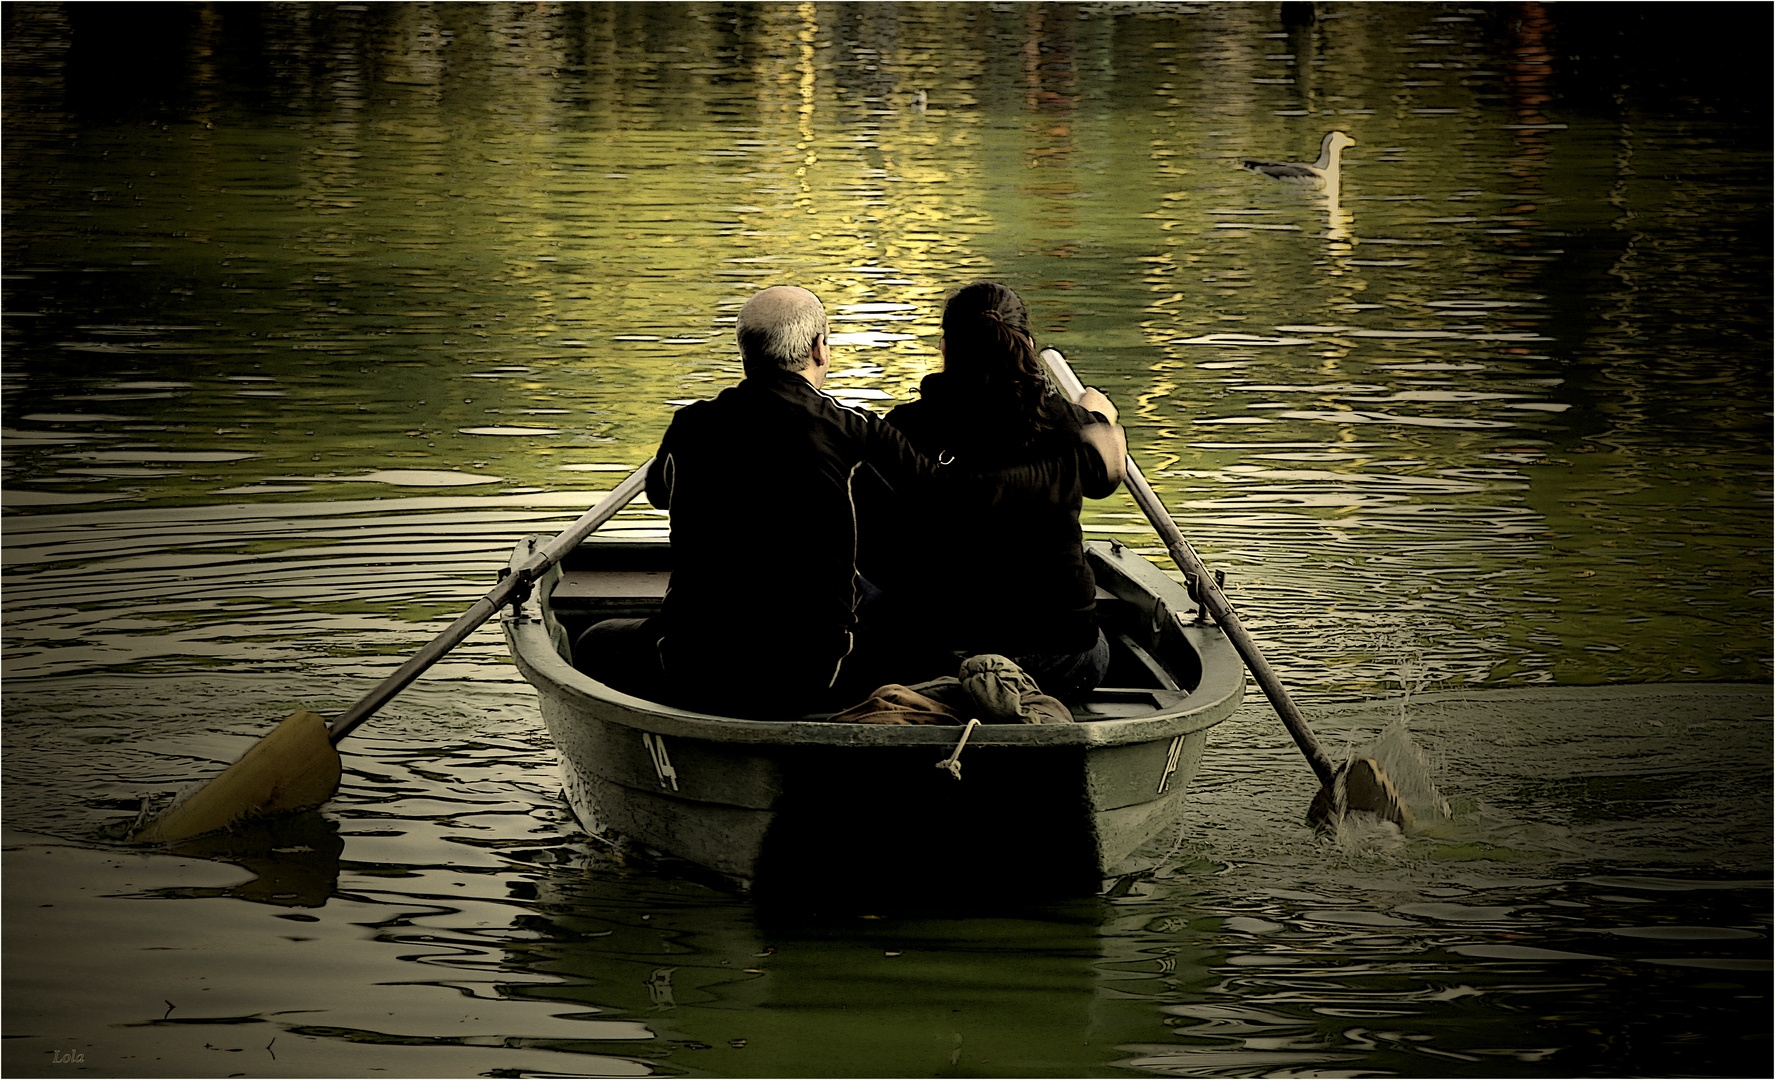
628, 579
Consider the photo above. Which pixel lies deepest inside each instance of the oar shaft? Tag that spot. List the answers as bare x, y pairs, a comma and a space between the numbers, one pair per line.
518, 580
1209, 594
1207, 590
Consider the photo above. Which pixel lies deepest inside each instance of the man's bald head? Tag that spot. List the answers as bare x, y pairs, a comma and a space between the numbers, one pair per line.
779, 328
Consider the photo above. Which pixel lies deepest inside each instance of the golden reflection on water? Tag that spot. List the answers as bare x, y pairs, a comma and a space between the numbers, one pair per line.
496, 245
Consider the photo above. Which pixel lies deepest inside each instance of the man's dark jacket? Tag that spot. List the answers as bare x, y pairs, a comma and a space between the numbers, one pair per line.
759, 482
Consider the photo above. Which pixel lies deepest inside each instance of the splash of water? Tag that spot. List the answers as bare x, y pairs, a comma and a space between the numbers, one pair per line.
1407, 764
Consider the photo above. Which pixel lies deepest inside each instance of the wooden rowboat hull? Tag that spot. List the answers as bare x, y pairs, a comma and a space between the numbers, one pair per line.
1061, 807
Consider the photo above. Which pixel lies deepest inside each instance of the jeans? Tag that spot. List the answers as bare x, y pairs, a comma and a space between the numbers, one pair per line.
1068, 675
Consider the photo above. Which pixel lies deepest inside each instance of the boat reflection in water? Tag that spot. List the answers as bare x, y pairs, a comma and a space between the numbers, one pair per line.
735, 989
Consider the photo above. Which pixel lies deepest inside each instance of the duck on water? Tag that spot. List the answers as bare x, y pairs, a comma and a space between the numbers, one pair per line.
1318, 174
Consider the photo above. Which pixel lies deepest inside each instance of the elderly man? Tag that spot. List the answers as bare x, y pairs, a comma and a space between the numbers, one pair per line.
761, 614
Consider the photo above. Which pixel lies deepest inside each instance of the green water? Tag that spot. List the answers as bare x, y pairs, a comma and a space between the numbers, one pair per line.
311, 311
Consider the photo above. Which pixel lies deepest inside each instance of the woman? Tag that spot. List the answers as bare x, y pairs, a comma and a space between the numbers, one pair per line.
1000, 565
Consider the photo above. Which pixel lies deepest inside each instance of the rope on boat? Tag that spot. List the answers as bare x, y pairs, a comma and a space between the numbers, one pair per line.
953, 761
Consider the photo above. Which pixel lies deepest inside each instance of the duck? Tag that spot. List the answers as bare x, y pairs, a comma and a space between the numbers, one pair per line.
1315, 174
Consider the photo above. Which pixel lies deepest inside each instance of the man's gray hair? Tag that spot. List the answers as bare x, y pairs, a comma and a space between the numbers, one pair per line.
777, 329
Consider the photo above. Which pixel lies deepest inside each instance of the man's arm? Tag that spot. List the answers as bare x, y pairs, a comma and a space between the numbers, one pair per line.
896, 462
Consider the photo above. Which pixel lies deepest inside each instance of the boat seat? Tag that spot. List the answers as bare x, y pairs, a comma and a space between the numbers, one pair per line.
1111, 702
612, 588
1104, 703
599, 587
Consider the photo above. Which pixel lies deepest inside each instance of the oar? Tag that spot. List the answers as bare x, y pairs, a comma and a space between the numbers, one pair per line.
1365, 786
296, 765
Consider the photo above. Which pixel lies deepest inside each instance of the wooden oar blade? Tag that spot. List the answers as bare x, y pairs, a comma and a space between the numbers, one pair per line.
295, 767
1360, 787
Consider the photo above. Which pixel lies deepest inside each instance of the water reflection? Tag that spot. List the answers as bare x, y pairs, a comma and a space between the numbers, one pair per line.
294, 861
724, 990
467, 913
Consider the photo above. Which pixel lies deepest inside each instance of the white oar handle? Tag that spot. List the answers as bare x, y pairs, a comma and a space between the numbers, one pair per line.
1062, 375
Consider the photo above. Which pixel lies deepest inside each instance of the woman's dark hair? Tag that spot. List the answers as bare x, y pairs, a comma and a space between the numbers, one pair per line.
991, 360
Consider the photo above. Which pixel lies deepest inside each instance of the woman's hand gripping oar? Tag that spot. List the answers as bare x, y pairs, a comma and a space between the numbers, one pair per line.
296, 765
1360, 785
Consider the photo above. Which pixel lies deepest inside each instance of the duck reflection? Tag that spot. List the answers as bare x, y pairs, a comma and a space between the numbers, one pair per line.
1339, 222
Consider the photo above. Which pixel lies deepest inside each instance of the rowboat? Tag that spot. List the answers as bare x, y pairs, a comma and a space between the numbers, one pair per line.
1060, 808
